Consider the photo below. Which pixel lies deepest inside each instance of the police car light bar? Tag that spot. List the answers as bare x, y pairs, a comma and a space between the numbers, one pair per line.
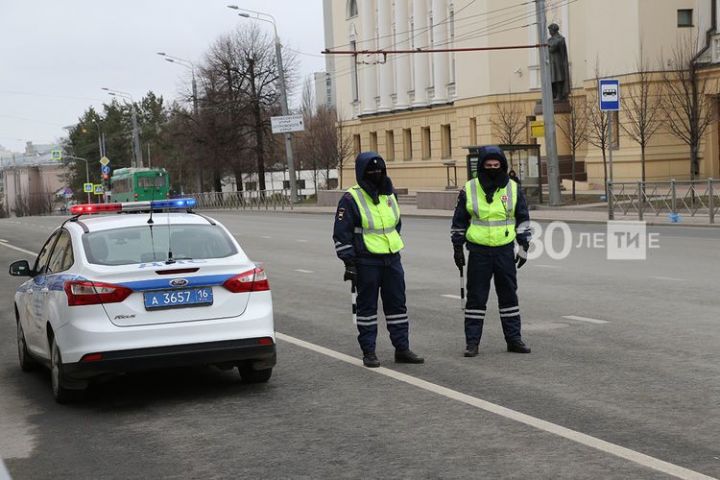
174, 204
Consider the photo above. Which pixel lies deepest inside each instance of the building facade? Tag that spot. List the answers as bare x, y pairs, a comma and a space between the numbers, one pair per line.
420, 110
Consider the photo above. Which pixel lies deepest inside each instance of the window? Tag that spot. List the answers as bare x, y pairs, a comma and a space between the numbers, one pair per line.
407, 144
151, 181
357, 146
42, 257
62, 255
389, 145
426, 146
446, 141
352, 8
685, 18
473, 131
121, 185
373, 142
129, 245
250, 185
299, 184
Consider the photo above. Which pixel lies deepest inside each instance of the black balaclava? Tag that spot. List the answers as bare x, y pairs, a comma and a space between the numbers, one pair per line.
375, 174
492, 179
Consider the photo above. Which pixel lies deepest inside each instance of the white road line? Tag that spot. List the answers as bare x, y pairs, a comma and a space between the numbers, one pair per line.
585, 319
454, 297
301, 241
669, 279
4, 474
7, 245
554, 267
304, 271
545, 426
3, 240
265, 236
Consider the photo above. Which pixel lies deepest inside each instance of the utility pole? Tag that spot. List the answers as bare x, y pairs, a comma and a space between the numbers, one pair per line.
136, 137
288, 136
553, 167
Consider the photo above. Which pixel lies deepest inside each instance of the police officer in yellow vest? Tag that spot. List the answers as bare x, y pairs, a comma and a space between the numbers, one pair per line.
367, 239
489, 211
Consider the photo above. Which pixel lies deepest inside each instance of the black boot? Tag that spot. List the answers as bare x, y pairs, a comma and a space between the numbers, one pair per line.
407, 356
518, 346
370, 360
471, 351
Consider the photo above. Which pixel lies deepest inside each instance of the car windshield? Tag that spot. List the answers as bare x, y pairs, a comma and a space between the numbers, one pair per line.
125, 246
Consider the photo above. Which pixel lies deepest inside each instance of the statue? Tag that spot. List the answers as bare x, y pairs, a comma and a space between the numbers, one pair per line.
559, 65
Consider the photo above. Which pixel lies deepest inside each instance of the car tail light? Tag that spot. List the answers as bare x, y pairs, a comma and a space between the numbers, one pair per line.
265, 341
251, 281
92, 357
84, 292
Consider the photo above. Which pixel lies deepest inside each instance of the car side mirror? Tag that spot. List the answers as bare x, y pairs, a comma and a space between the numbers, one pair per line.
21, 268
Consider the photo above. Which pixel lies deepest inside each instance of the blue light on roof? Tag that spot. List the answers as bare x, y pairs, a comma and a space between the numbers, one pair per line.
178, 203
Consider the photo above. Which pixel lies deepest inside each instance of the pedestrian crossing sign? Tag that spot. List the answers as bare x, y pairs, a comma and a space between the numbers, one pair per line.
88, 187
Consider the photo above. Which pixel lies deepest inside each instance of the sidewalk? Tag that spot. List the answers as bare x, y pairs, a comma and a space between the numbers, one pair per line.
546, 214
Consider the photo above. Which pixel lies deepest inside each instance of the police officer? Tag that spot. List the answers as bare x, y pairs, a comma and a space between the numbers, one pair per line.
488, 212
367, 239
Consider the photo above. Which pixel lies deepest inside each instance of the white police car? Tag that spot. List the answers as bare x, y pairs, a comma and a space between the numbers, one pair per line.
151, 285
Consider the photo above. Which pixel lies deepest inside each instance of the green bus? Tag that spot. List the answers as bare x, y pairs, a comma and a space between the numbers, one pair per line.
139, 184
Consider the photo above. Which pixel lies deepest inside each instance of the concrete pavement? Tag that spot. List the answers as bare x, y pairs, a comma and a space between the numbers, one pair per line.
647, 380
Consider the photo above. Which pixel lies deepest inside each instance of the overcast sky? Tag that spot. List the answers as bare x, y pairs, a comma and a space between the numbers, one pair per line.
55, 55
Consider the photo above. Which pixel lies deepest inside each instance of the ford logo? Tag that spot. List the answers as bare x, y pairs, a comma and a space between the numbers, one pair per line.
179, 282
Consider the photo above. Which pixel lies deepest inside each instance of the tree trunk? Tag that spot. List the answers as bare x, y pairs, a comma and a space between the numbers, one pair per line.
605, 170
259, 133
573, 175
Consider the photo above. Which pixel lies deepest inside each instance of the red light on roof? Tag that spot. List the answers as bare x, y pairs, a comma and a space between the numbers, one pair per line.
88, 208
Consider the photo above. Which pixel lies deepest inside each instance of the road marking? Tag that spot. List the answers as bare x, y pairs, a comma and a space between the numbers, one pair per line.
301, 241
7, 245
545, 426
585, 319
454, 297
555, 267
3, 240
669, 279
304, 271
265, 236
4, 474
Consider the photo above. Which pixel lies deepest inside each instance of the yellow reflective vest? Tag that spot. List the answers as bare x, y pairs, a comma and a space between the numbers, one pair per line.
491, 224
378, 222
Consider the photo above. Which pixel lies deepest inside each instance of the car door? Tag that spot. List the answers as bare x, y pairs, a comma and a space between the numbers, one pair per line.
34, 296
52, 290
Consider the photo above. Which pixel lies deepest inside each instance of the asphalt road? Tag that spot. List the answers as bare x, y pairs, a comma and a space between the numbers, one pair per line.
627, 387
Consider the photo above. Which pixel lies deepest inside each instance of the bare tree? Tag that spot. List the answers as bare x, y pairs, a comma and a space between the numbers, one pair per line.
686, 102
643, 110
509, 122
344, 146
575, 128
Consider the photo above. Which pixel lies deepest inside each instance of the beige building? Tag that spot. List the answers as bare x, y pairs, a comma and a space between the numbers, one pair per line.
420, 110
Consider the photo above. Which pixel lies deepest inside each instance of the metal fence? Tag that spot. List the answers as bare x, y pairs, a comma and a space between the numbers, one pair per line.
673, 199
245, 200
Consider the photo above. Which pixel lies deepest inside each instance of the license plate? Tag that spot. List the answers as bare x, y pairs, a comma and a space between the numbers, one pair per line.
187, 297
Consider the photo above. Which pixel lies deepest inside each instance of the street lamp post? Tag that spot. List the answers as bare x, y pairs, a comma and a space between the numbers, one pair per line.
135, 131
283, 91
191, 66
87, 170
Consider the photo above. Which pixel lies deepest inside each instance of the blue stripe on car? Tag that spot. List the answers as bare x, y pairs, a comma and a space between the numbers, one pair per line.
164, 283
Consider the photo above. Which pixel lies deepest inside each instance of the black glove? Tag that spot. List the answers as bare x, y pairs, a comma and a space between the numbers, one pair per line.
459, 256
521, 257
350, 272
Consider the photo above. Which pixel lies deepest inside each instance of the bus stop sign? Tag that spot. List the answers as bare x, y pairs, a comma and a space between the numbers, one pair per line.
609, 95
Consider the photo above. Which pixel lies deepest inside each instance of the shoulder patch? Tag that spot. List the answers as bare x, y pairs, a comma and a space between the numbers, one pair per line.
340, 214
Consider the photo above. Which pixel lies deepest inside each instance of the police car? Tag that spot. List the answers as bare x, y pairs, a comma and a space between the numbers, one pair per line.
123, 287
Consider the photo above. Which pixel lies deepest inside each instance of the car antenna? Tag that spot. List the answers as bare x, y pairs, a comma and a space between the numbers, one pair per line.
170, 259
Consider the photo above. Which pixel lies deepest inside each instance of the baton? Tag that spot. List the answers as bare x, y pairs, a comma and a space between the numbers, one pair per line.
462, 289
353, 295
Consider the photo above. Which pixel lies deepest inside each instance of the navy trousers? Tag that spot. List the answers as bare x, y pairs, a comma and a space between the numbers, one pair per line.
484, 264
387, 278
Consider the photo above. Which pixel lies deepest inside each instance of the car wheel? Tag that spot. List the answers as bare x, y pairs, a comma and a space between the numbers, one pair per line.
248, 375
27, 363
60, 393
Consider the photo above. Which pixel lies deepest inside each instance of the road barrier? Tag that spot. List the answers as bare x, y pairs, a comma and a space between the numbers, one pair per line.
673, 199
245, 200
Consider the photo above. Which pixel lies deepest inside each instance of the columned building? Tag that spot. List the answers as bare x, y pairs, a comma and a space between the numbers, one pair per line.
419, 110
